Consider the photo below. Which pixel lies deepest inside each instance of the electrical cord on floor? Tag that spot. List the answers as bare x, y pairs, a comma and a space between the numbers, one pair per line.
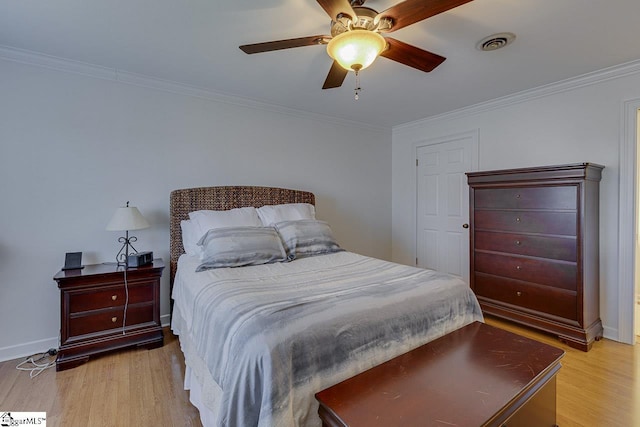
36, 365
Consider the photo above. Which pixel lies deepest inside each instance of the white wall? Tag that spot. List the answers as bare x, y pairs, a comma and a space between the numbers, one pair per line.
569, 122
637, 239
74, 147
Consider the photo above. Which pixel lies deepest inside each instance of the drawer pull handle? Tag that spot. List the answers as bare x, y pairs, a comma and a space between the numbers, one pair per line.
518, 219
518, 242
519, 293
114, 297
517, 196
518, 267
114, 319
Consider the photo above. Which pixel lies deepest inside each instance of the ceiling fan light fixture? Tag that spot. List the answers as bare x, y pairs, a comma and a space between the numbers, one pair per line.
356, 49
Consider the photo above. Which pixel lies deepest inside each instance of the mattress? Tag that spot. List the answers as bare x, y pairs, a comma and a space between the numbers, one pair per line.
260, 341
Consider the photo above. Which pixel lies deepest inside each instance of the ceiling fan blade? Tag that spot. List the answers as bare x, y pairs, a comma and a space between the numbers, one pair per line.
411, 11
284, 44
337, 7
336, 76
410, 55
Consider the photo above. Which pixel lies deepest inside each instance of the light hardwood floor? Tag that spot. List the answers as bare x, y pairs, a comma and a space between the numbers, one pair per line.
144, 387
597, 388
135, 387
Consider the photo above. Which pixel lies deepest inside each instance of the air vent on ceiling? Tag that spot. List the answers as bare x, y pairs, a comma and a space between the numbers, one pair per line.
495, 41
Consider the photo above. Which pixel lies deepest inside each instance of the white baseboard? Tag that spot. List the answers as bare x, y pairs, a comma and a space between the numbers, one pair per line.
27, 349
610, 333
165, 320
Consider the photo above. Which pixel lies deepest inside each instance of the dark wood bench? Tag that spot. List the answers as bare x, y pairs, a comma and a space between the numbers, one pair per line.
479, 375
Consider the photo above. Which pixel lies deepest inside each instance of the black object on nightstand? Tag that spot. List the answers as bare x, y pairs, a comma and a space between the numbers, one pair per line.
92, 310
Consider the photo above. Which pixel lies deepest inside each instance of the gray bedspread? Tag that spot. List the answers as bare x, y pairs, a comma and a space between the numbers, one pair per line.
264, 339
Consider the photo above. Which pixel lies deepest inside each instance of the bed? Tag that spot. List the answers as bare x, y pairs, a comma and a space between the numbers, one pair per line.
259, 341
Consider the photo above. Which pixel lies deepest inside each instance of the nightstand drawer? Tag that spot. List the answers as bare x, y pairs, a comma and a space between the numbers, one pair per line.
554, 301
107, 320
112, 297
562, 197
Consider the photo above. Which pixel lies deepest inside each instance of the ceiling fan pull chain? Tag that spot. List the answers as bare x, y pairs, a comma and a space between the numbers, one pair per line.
358, 88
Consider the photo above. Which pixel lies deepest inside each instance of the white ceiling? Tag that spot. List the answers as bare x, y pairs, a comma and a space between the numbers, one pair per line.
195, 42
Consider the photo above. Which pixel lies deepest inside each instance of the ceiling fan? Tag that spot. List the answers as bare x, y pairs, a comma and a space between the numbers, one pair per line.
356, 40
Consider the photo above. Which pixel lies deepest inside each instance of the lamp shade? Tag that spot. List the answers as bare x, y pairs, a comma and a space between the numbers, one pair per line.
127, 218
356, 49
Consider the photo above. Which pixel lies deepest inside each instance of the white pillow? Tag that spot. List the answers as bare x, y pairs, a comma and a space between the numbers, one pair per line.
206, 220
272, 214
190, 238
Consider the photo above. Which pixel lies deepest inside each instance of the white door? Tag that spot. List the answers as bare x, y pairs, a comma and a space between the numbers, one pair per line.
442, 200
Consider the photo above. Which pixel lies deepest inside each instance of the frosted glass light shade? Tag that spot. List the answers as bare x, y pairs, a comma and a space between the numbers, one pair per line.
127, 218
356, 49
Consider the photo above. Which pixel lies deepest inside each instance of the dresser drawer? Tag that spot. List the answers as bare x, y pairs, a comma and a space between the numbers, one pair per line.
550, 197
560, 223
107, 320
545, 272
557, 302
115, 296
561, 248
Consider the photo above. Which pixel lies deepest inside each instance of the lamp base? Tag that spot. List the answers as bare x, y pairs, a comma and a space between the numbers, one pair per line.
122, 257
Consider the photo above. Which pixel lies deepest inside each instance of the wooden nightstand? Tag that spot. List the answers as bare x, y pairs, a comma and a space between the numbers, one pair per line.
92, 308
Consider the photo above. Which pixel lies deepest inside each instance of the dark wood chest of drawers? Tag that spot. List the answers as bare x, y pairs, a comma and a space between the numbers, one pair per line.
98, 313
534, 248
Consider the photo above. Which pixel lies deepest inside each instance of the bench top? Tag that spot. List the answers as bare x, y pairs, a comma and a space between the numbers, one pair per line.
470, 377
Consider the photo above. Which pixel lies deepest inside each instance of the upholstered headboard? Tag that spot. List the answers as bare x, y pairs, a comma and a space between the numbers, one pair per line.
181, 202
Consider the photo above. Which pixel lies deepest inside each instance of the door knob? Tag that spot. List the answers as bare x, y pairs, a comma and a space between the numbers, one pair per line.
465, 225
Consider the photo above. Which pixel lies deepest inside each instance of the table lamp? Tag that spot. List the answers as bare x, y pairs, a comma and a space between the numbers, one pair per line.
125, 219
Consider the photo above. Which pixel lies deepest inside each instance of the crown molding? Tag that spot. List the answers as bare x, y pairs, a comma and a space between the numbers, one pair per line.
113, 74
588, 79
